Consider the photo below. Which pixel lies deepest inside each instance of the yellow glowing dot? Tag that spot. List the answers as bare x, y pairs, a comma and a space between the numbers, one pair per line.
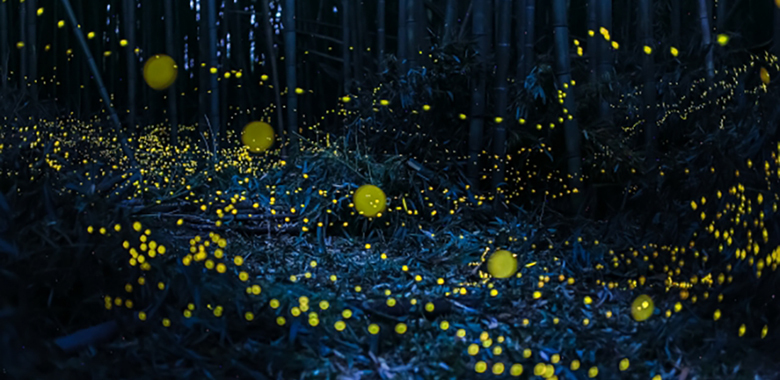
648, 50
258, 136
346, 313
160, 72
502, 264
764, 74
340, 325
346, 99
593, 372
480, 367
61, 24
674, 51
623, 364
537, 294
473, 349
516, 370
498, 368
142, 315
369, 200
723, 39
280, 321
90, 35
400, 328
540, 369
373, 329
642, 308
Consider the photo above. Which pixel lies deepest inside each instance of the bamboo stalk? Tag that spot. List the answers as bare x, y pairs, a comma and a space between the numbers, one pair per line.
170, 47
290, 59
4, 52
269, 39
345, 36
479, 82
563, 73
381, 39
502, 89
214, 116
98, 79
132, 70
32, 49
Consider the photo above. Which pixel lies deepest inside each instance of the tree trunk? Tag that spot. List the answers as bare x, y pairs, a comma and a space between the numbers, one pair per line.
241, 49
4, 50
170, 47
23, 64
706, 40
223, 57
345, 38
593, 41
648, 89
271, 57
380, 43
358, 27
32, 49
132, 73
292, 82
530, 35
503, 48
675, 16
213, 96
412, 43
776, 31
563, 74
478, 84
605, 57
74, 23
85, 97
450, 21
423, 37
628, 22
402, 55
722, 16
520, 39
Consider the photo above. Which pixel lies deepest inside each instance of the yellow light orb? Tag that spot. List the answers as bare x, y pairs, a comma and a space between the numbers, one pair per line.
642, 307
370, 200
160, 72
764, 76
258, 136
723, 39
502, 264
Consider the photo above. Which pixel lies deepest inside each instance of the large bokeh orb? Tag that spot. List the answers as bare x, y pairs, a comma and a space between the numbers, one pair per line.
502, 264
258, 136
370, 200
160, 72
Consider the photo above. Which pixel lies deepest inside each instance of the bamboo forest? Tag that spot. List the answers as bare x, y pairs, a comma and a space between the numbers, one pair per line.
389, 189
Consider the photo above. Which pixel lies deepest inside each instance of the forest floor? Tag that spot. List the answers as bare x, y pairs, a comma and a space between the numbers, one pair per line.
251, 266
